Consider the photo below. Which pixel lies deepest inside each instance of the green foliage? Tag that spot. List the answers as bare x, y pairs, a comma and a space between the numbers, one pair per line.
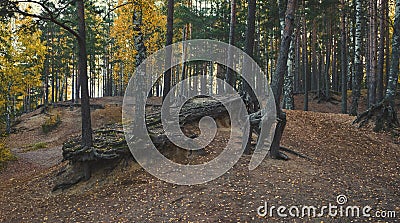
5, 154
51, 123
36, 146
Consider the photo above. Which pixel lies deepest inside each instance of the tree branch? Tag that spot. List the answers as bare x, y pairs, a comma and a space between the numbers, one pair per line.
51, 17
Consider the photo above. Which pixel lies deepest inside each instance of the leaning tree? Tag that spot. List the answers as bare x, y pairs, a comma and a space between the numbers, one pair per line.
278, 77
256, 116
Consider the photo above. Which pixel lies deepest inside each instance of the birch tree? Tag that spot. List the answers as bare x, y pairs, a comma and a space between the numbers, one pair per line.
358, 74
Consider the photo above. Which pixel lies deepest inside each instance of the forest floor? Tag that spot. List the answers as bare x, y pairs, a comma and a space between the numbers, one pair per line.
358, 163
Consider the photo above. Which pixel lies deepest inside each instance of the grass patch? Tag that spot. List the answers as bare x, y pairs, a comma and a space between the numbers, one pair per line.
34, 147
51, 123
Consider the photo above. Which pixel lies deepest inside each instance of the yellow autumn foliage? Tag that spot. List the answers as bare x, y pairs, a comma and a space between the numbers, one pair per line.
5, 153
21, 58
122, 33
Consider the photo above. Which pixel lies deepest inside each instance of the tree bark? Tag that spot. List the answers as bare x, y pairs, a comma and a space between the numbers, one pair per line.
372, 55
288, 100
381, 51
394, 68
248, 94
358, 74
169, 39
82, 64
315, 74
230, 79
344, 58
277, 80
328, 63
305, 64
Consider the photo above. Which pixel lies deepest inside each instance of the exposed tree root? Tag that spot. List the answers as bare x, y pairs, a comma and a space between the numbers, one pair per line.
295, 153
257, 124
322, 97
66, 185
383, 114
280, 156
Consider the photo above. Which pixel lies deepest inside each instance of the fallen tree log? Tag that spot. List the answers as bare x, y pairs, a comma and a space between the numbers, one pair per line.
110, 146
109, 141
72, 105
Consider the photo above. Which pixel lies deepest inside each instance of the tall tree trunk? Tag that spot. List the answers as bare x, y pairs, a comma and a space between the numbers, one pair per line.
288, 100
66, 88
387, 46
169, 39
77, 83
343, 58
394, 68
203, 78
305, 64
52, 66
46, 71
82, 64
230, 79
281, 8
73, 80
184, 51
249, 97
328, 62
381, 51
358, 74
372, 54
278, 76
315, 82
335, 76
297, 61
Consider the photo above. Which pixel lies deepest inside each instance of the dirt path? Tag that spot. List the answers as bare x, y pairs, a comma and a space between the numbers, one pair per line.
45, 158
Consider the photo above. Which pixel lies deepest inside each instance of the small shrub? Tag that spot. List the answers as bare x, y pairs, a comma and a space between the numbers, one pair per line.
5, 154
39, 145
36, 146
51, 123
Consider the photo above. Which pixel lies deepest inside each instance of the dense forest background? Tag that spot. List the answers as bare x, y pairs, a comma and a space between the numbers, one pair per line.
339, 47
